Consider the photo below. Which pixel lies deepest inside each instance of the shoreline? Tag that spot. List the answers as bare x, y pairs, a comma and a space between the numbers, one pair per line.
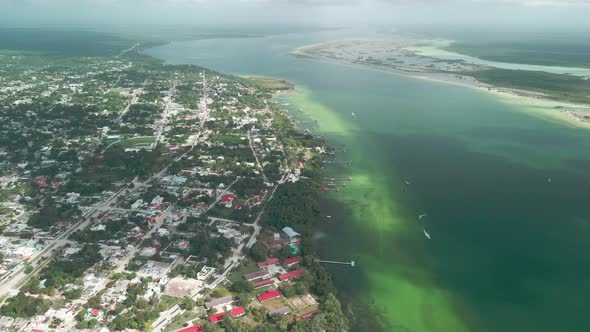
368, 187
529, 101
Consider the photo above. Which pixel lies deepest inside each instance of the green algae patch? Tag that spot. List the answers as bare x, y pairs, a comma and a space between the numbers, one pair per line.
418, 305
411, 307
328, 120
373, 205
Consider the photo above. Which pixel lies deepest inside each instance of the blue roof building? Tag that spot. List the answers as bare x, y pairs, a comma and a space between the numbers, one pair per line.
290, 232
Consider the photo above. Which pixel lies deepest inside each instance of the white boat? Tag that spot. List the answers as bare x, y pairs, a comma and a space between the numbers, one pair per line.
549, 180
427, 235
422, 216
353, 114
407, 182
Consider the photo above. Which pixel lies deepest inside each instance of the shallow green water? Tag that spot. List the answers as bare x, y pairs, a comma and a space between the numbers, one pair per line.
509, 250
438, 51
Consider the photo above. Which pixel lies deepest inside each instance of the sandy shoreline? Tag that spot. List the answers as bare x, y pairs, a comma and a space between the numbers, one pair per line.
529, 101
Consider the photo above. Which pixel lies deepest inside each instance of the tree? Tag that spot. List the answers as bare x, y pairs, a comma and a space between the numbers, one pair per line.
267, 327
286, 251
244, 299
74, 294
259, 251
119, 323
258, 314
22, 306
241, 286
94, 302
220, 292
210, 327
91, 323
287, 290
230, 324
332, 313
187, 303
300, 288
47, 216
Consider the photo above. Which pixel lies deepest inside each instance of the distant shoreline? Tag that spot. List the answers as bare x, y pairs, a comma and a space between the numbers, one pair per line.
532, 102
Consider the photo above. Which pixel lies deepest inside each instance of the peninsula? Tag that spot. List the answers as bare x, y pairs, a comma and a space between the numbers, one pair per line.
551, 91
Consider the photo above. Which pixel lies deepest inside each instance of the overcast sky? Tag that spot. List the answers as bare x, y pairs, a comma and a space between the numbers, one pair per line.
326, 12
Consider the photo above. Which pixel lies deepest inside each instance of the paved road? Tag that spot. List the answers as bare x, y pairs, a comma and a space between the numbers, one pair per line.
256, 157
13, 281
10, 285
128, 50
239, 254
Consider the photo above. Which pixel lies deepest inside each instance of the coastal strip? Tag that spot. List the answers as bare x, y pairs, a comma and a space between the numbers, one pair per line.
415, 66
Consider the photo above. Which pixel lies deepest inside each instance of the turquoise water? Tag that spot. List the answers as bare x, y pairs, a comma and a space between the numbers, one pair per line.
509, 248
437, 51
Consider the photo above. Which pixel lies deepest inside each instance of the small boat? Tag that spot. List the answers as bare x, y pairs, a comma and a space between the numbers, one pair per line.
427, 235
407, 182
328, 216
549, 180
353, 114
422, 216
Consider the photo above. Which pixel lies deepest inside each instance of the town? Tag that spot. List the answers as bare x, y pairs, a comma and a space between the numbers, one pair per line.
141, 196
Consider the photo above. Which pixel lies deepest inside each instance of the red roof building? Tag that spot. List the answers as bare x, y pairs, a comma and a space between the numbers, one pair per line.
194, 328
269, 261
308, 315
292, 261
263, 283
256, 201
271, 294
42, 182
94, 313
237, 312
290, 275
228, 198
216, 318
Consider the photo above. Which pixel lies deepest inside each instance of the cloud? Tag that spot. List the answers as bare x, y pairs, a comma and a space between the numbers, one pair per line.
298, 11
537, 3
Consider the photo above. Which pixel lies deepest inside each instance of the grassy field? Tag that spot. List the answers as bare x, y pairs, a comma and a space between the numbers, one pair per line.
169, 301
270, 83
248, 266
181, 319
131, 142
7, 194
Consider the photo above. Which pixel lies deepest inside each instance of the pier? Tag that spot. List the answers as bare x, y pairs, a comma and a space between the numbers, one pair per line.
351, 263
